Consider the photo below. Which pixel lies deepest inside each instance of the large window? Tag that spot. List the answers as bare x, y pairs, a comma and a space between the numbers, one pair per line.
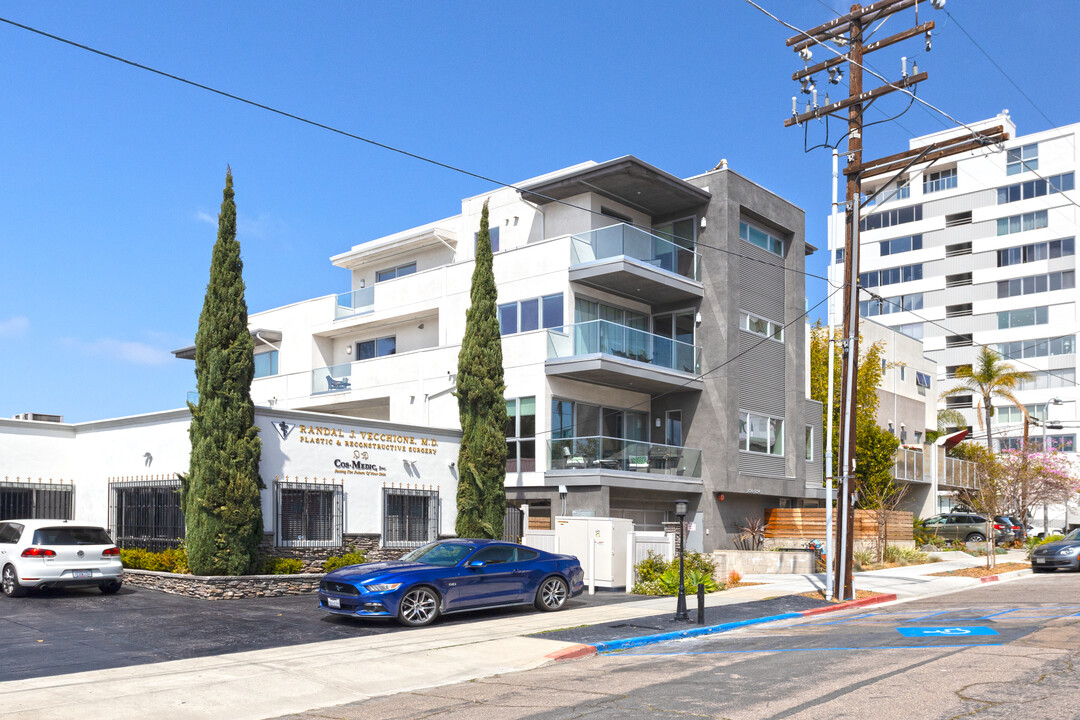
531, 314
1035, 188
1018, 160
891, 276
146, 514
889, 218
761, 433
309, 514
521, 435
395, 272
1023, 318
1043, 379
914, 330
380, 347
761, 326
764, 240
1021, 223
901, 245
1060, 443
1041, 347
1036, 251
901, 191
940, 180
410, 517
1032, 284
889, 305
922, 382
266, 363
30, 500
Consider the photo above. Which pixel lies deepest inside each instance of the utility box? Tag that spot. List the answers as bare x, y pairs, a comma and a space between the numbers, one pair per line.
599, 543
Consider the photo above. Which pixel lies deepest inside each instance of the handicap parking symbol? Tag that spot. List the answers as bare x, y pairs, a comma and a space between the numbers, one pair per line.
965, 631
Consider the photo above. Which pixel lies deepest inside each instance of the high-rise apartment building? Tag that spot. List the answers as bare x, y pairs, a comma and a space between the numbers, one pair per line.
653, 333
979, 249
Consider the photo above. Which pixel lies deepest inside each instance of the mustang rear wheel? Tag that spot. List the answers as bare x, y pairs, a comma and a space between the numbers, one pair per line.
552, 594
419, 607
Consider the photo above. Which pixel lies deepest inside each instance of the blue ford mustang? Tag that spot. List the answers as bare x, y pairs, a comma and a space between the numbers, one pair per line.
451, 576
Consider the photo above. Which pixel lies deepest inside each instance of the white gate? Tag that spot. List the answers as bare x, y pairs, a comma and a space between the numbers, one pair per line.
638, 545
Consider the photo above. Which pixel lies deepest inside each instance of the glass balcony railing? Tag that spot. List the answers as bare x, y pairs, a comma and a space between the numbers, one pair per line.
959, 473
608, 338
193, 397
605, 453
356, 302
909, 466
334, 378
629, 241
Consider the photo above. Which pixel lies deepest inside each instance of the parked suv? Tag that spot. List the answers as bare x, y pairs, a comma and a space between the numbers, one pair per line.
965, 527
56, 553
1012, 523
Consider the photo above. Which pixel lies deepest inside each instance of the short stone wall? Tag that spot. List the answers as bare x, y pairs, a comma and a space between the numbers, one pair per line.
313, 558
227, 587
747, 562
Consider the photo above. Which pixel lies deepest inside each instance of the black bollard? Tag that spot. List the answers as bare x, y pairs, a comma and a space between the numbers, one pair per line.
701, 604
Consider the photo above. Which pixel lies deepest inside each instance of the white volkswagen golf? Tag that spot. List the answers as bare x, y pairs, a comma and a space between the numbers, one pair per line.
57, 553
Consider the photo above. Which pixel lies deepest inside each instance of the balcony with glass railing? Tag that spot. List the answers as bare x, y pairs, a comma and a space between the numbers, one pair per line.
357, 302
591, 454
909, 466
958, 473
611, 354
631, 261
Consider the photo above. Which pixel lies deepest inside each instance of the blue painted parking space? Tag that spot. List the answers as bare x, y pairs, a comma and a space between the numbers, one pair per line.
948, 631
942, 617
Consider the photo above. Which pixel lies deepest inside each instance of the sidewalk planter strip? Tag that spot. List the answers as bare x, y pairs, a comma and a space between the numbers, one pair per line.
223, 587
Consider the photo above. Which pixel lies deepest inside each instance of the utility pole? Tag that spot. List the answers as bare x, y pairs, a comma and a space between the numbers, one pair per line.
848, 32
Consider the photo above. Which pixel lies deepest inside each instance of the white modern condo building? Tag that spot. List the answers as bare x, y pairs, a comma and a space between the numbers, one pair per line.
979, 249
652, 337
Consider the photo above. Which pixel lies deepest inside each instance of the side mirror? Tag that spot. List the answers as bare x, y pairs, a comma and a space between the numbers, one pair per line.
477, 564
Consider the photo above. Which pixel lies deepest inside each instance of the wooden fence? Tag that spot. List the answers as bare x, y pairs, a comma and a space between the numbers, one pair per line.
809, 523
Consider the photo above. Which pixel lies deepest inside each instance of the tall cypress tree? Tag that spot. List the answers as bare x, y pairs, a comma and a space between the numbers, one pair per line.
222, 508
481, 497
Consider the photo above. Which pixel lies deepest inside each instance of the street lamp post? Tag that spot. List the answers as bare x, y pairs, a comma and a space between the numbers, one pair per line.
680, 609
1045, 422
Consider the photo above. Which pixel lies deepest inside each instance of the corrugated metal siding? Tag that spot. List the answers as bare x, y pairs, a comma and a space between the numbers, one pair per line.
761, 284
814, 468
960, 203
761, 375
770, 466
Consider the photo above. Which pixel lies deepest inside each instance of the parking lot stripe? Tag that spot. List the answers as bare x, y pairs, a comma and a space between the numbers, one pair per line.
824, 649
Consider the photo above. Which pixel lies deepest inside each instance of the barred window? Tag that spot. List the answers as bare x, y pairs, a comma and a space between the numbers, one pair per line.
410, 517
309, 514
31, 500
146, 514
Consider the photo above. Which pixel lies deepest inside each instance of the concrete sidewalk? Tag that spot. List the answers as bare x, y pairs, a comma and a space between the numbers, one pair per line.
280, 681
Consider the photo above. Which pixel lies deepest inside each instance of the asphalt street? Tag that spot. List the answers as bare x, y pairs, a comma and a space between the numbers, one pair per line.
1000, 650
56, 632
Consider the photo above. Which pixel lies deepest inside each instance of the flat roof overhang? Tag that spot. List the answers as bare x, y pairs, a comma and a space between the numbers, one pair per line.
622, 479
626, 180
258, 335
637, 280
613, 371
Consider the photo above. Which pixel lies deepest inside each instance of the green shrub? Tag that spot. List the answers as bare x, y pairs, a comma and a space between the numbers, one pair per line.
905, 555
657, 577
339, 561
863, 558
282, 566
172, 560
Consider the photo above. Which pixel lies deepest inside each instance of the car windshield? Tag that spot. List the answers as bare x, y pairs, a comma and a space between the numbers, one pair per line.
1074, 535
71, 536
445, 554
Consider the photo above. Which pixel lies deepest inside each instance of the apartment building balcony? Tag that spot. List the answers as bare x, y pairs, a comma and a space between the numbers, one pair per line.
909, 466
958, 474
357, 302
624, 463
416, 295
606, 353
632, 262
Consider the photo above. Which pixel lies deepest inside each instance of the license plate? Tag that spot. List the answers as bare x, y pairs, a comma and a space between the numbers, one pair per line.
81, 574
333, 603
1040, 560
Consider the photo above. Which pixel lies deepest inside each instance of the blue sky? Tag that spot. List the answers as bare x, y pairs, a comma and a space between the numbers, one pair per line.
112, 176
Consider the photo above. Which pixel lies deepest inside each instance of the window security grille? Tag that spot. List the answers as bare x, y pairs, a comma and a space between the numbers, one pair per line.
410, 517
29, 500
309, 515
146, 514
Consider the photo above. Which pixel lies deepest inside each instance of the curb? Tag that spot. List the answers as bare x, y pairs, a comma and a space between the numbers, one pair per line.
578, 651
1005, 576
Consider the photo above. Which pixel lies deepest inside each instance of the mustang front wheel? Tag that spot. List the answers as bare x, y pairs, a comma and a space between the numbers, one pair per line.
420, 606
552, 594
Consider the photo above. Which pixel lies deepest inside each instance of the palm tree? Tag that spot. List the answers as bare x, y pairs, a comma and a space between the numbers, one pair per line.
989, 377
